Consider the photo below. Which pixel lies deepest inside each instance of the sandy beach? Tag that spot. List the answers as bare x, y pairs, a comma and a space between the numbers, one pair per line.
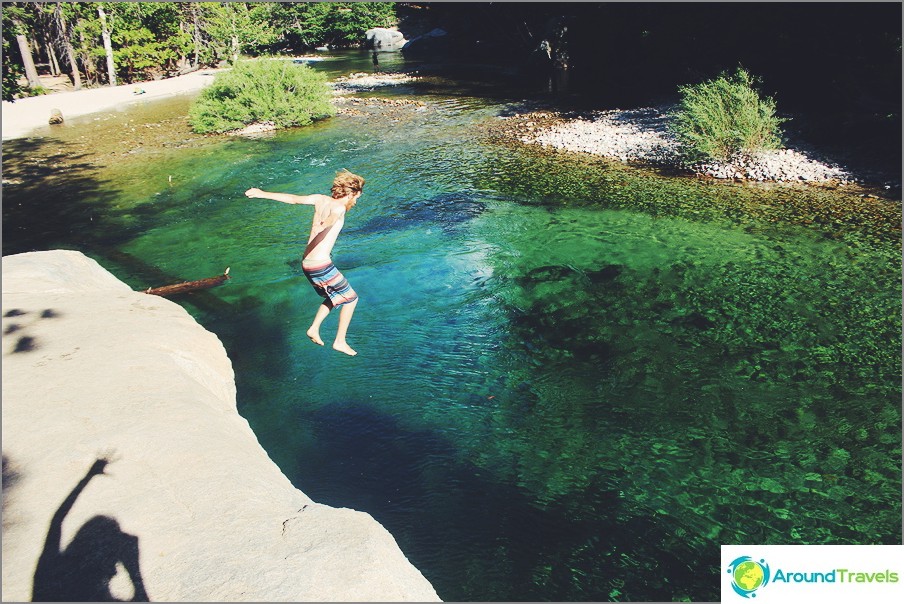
24, 115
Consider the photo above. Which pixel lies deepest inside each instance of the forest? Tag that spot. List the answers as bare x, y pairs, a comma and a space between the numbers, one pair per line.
828, 60
98, 43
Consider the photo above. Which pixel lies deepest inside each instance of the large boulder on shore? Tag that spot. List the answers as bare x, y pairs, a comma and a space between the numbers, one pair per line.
127, 471
434, 42
383, 39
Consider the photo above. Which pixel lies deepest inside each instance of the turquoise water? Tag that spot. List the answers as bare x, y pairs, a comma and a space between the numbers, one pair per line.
576, 379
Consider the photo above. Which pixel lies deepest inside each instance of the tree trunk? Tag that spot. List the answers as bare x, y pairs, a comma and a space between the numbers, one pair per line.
235, 49
197, 35
188, 286
30, 72
108, 46
51, 54
63, 30
87, 62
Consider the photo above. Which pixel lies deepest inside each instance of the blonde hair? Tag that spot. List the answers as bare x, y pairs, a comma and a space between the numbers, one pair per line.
346, 184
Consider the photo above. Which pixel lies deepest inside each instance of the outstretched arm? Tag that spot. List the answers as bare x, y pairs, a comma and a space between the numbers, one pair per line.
56, 523
47, 569
283, 197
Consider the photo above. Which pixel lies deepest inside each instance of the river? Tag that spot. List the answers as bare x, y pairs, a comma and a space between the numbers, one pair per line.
575, 380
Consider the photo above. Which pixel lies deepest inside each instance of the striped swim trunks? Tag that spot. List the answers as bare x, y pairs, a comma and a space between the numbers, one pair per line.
329, 283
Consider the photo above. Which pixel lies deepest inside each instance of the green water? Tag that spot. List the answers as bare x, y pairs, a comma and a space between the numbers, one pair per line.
576, 379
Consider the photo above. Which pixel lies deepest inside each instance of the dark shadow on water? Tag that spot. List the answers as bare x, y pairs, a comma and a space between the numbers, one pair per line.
81, 572
143, 276
415, 483
55, 198
255, 339
447, 211
52, 194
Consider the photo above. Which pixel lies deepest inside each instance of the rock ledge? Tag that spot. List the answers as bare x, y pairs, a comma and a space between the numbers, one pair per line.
191, 508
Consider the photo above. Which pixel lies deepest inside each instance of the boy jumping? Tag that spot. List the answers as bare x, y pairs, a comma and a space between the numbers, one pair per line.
328, 282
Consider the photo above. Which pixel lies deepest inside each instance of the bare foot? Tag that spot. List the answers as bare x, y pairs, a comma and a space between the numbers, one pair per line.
343, 347
315, 337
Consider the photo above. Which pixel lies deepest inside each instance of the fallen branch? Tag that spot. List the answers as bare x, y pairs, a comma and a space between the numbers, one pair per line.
189, 286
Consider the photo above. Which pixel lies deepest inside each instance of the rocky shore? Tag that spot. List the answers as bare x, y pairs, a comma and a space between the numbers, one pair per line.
643, 135
368, 81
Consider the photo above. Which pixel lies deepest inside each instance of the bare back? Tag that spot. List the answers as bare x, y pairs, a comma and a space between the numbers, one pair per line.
329, 218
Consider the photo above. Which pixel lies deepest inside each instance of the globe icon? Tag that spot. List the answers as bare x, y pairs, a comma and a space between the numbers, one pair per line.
748, 575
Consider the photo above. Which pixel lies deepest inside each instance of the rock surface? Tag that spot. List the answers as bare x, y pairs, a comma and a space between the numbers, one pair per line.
383, 39
93, 370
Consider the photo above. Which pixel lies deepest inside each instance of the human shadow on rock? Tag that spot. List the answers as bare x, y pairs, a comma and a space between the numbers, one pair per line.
83, 570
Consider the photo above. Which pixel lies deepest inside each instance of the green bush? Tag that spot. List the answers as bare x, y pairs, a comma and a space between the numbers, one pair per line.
725, 118
281, 92
36, 91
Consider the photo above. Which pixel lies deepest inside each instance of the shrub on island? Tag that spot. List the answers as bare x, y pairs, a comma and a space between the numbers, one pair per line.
284, 93
725, 119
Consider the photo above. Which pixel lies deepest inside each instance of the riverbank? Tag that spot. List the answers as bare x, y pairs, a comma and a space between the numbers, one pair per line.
643, 135
640, 135
23, 116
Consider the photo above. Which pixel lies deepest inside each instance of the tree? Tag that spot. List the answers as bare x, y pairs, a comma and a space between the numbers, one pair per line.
195, 15
11, 69
19, 18
85, 30
150, 40
108, 46
62, 28
234, 26
332, 23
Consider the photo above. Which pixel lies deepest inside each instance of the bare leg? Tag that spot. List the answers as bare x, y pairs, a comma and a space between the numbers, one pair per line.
314, 330
345, 317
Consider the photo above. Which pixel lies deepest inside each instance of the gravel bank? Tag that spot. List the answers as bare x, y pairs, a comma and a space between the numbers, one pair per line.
368, 81
643, 135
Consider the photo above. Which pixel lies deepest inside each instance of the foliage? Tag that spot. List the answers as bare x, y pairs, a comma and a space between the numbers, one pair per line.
233, 27
725, 118
147, 39
36, 91
332, 23
154, 39
262, 91
12, 70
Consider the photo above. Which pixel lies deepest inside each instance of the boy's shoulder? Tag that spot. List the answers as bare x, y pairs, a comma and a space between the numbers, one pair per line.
323, 200
335, 205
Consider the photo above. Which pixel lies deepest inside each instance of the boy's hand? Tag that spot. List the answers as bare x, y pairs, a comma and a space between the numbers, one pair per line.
253, 193
98, 467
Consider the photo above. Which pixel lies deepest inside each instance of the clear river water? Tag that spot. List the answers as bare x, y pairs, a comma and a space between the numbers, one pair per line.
576, 378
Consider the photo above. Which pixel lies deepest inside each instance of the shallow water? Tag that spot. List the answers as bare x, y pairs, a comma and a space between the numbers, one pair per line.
576, 379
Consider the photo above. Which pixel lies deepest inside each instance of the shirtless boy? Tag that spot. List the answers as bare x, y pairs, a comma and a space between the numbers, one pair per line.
328, 282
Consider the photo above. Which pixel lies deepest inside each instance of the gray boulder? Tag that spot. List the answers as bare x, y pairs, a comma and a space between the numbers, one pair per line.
434, 42
382, 39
